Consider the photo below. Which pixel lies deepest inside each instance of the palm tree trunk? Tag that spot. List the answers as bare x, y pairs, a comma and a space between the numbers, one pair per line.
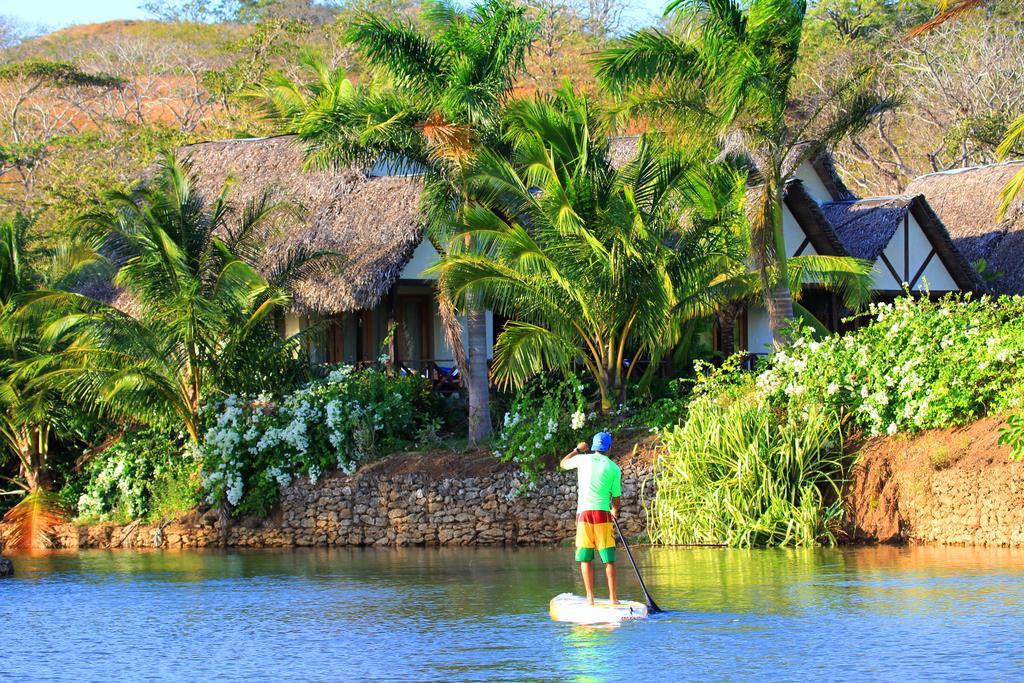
727, 328
478, 384
780, 313
780, 297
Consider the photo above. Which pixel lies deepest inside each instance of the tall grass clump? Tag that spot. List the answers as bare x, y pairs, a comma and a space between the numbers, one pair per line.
743, 473
759, 460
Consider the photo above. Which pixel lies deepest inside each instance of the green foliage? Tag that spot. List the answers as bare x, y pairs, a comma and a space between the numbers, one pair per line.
1012, 435
593, 264
546, 419
268, 363
31, 415
55, 74
917, 365
145, 475
759, 457
252, 446
189, 269
743, 473
1010, 144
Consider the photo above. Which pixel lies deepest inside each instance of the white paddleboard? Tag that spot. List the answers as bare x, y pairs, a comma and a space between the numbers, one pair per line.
574, 608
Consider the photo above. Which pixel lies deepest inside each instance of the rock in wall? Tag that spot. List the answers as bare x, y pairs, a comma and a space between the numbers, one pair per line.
947, 486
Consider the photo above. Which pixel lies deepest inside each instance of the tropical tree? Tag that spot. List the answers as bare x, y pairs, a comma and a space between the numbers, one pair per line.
443, 91
31, 418
594, 266
1014, 140
715, 193
194, 302
729, 76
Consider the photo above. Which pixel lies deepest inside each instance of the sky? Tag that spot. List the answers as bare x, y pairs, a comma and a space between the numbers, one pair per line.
51, 14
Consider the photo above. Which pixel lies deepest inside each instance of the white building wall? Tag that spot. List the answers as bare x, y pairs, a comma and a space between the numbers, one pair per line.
793, 234
759, 335
422, 258
936, 277
812, 183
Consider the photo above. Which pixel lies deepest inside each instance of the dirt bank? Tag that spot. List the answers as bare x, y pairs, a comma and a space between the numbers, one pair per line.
946, 486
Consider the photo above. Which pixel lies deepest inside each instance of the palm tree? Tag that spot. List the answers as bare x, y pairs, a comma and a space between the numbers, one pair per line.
188, 270
715, 193
445, 89
31, 417
1013, 140
594, 266
948, 11
729, 76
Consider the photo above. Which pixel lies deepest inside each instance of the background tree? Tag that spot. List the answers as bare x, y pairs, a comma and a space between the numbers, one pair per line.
32, 418
957, 84
714, 193
197, 303
730, 76
593, 265
445, 89
33, 131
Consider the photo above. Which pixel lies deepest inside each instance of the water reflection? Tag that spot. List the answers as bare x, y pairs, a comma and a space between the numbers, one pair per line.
451, 614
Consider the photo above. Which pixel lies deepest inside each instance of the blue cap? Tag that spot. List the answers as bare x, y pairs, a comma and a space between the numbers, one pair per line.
602, 442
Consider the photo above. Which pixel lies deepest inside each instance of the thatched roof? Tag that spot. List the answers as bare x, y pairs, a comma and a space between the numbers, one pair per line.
373, 221
966, 200
812, 221
866, 226
622, 150
825, 166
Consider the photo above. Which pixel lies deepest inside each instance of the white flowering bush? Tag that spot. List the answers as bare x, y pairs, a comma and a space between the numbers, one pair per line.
144, 474
253, 446
916, 365
546, 419
759, 459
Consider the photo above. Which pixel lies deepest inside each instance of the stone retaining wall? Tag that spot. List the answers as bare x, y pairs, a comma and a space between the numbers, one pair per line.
947, 486
387, 505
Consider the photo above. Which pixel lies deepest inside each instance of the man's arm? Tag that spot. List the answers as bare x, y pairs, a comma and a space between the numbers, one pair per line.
616, 492
581, 447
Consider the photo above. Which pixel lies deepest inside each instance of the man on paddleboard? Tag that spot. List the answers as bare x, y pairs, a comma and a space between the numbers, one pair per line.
600, 491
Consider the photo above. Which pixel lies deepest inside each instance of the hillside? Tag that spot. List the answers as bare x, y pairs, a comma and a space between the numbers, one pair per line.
959, 88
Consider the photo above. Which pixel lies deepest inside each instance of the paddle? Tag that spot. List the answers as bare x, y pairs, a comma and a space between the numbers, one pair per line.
652, 606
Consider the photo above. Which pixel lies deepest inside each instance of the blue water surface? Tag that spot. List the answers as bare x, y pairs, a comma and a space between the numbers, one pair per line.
892, 614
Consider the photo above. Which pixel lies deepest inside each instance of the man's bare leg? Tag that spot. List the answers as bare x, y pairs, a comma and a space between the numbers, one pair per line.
587, 568
609, 573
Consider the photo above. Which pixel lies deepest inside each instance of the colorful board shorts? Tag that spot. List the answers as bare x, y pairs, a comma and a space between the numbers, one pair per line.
594, 532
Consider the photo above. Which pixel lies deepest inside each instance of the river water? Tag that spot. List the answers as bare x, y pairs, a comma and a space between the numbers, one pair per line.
899, 614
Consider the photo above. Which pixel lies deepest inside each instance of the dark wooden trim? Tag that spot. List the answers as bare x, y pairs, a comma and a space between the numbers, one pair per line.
744, 339
366, 336
885, 260
394, 350
415, 282
920, 271
803, 245
906, 246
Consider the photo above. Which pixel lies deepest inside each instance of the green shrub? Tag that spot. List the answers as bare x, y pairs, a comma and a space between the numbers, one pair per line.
545, 420
144, 475
1012, 435
741, 472
758, 460
253, 446
917, 365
